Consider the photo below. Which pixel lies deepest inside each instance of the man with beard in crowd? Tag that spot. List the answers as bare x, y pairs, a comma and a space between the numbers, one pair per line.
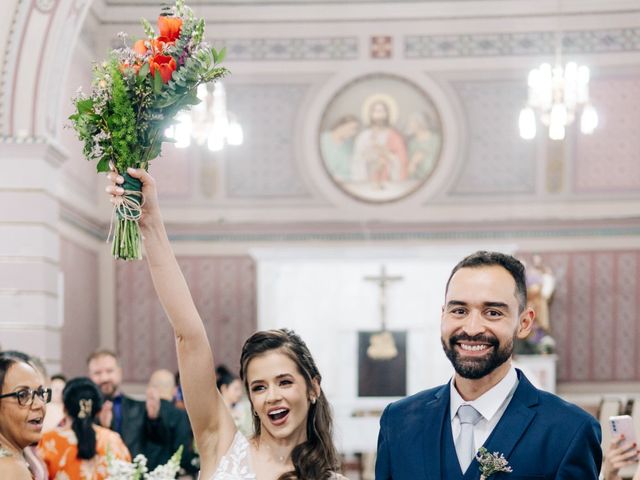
488, 403
137, 422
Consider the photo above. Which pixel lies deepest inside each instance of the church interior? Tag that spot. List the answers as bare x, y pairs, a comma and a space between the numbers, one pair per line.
365, 147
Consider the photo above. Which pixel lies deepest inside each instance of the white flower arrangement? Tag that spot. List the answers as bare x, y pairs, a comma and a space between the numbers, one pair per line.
491, 463
137, 470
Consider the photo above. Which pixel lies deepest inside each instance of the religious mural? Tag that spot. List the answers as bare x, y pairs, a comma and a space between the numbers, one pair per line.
380, 138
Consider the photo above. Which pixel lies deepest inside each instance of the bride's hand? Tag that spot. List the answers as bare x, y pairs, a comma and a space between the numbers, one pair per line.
150, 208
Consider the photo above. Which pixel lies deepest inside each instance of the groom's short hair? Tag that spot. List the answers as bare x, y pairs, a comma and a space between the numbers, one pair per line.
509, 263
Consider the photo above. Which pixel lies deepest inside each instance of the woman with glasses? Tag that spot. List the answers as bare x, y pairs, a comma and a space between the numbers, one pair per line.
23, 400
78, 450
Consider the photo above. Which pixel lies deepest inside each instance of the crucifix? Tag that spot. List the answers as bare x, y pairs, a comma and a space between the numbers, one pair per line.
383, 280
382, 355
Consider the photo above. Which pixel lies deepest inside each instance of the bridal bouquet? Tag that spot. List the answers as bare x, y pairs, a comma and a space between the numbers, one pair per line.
137, 470
136, 94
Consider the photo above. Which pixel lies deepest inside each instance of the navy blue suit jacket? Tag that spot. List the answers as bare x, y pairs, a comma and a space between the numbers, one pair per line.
541, 436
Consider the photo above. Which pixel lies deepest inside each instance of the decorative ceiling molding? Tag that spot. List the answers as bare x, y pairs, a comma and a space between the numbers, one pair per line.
385, 231
521, 43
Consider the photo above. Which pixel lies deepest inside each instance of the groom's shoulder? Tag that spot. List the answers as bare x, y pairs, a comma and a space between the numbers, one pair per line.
557, 410
416, 402
563, 410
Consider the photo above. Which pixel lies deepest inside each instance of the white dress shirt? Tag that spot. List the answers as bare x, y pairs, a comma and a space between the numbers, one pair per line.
491, 405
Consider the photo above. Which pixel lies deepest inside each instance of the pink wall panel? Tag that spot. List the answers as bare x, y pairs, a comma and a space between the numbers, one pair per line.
595, 315
224, 291
607, 160
81, 314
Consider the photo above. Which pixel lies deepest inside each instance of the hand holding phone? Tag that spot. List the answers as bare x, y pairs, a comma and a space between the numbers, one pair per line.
624, 452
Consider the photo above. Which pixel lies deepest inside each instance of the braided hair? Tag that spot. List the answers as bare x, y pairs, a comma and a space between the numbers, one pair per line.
82, 401
316, 458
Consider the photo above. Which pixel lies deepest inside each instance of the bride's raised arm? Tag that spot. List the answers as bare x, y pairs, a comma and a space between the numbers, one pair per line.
212, 423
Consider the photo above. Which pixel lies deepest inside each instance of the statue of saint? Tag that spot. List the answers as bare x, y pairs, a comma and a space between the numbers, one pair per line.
541, 283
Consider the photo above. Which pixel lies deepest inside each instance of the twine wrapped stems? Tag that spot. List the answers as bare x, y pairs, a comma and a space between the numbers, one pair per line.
127, 211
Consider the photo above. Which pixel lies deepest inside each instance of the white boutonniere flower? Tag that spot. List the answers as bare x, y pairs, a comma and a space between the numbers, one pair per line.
491, 463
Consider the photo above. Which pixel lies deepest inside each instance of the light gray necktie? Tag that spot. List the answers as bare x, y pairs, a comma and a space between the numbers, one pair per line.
465, 448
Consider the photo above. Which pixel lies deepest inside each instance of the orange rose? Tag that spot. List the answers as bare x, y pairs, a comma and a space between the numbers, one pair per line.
140, 48
164, 64
169, 28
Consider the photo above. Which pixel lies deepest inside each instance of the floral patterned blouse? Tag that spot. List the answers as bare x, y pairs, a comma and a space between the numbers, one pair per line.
59, 449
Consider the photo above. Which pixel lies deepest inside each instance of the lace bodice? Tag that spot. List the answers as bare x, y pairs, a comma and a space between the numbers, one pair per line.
236, 464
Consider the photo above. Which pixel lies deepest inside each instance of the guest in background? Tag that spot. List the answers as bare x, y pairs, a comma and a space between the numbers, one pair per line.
55, 409
78, 450
618, 457
230, 387
134, 420
37, 467
175, 425
23, 399
178, 398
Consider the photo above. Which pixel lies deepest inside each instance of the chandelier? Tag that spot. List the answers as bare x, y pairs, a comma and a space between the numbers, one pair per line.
208, 122
558, 95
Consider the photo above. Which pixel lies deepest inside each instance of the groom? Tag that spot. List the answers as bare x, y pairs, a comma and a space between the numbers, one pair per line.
436, 433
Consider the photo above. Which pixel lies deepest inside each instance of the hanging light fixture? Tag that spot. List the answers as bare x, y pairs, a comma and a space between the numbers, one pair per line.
208, 122
558, 95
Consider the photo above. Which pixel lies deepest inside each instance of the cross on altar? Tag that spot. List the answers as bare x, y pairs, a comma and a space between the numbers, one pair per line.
383, 280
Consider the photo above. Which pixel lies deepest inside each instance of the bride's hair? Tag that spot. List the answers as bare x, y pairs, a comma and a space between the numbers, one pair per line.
316, 458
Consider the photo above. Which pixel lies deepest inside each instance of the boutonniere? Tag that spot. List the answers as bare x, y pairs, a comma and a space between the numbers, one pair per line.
491, 463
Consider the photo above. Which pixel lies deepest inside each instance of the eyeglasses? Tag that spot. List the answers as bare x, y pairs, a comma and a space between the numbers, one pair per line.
26, 396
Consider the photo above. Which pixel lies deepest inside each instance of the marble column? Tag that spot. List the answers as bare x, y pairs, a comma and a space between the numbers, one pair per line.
31, 282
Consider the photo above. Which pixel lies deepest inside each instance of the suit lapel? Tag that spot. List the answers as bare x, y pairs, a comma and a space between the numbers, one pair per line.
515, 419
437, 410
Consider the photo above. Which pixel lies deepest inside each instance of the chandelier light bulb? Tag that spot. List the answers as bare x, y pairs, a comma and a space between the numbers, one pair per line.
527, 123
215, 143
588, 120
558, 114
182, 130
584, 76
556, 131
235, 135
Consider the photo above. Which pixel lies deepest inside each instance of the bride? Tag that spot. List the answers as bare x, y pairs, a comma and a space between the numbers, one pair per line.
292, 418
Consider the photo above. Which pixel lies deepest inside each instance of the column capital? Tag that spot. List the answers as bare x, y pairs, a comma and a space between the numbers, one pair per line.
25, 147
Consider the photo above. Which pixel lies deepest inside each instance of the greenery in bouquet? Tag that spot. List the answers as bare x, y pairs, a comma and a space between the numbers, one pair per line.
136, 94
137, 470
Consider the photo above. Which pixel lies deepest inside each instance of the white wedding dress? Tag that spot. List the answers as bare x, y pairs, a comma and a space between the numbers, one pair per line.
236, 464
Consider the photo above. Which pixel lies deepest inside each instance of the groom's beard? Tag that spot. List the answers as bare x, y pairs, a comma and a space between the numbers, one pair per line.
477, 367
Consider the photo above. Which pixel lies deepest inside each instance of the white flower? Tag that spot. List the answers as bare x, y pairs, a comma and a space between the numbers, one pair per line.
137, 470
491, 463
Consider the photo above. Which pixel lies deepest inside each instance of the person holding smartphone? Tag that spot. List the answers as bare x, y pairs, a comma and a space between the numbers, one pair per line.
620, 455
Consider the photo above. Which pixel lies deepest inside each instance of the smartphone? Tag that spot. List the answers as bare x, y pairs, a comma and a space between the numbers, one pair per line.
623, 425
